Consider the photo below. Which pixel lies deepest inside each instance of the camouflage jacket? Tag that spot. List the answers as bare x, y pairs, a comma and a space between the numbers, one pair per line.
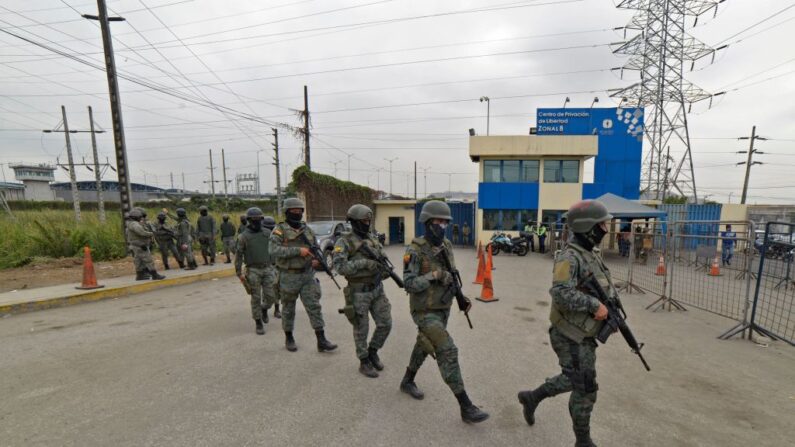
205, 225
285, 247
184, 233
419, 263
228, 229
572, 309
163, 232
351, 261
138, 235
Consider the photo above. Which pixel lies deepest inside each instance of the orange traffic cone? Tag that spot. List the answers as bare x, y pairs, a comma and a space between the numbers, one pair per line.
481, 270
89, 277
491, 259
487, 292
715, 269
660, 267
480, 251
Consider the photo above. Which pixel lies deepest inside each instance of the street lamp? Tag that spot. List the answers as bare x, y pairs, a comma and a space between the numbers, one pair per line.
595, 100
390, 160
488, 111
566, 102
259, 179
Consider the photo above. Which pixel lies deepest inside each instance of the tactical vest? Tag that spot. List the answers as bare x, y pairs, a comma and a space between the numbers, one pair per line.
355, 253
184, 232
579, 325
163, 232
205, 224
133, 237
227, 229
292, 238
256, 247
437, 296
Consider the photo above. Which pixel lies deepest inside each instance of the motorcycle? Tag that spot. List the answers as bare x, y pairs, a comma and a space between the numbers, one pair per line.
502, 242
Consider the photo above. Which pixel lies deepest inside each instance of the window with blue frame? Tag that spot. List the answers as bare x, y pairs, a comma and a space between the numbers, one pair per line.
510, 171
561, 171
507, 220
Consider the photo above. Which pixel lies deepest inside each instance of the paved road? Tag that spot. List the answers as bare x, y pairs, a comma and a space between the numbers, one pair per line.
182, 366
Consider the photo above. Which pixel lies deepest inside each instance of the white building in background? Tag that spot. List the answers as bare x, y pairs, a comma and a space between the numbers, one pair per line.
37, 179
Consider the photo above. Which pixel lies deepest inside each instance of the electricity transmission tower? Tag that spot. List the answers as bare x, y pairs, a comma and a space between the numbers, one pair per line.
658, 51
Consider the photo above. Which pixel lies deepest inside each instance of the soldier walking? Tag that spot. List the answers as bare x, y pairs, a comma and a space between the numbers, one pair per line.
164, 235
259, 274
184, 235
139, 240
289, 246
428, 283
364, 295
205, 226
576, 319
228, 232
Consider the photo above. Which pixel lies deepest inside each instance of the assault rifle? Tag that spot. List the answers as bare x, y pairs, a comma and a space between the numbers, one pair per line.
318, 255
385, 263
455, 288
616, 316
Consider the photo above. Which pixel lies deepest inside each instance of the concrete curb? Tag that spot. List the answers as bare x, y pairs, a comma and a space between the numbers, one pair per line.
110, 292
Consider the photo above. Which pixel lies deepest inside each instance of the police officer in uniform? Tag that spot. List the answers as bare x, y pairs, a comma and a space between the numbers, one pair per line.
428, 283
364, 295
205, 227
139, 240
289, 247
253, 251
576, 319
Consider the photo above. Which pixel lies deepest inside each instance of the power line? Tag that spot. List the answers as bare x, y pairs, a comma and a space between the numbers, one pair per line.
775, 14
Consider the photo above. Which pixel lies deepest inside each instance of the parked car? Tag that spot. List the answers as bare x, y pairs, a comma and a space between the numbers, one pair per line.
326, 233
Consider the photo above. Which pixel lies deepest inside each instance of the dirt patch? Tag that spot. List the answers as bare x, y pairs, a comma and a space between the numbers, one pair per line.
52, 272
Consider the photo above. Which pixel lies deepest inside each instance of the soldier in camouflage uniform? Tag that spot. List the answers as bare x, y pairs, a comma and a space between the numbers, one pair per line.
184, 236
164, 235
428, 283
289, 247
253, 251
269, 223
576, 319
140, 274
205, 228
364, 294
139, 240
228, 232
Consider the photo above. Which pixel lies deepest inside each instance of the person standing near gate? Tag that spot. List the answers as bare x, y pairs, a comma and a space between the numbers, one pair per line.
542, 237
576, 317
530, 231
465, 230
728, 238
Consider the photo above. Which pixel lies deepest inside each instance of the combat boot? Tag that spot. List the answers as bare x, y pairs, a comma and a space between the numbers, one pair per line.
155, 275
228, 260
260, 329
289, 342
181, 264
191, 266
366, 368
139, 276
374, 359
530, 401
265, 315
583, 436
166, 266
205, 259
276, 313
323, 345
469, 412
212, 260
408, 386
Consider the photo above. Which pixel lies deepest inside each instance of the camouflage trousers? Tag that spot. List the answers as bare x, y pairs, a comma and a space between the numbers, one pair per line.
229, 245
168, 247
365, 303
207, 243
187, 253
578, 362
142, 258
261, 280
305, 285
432, 333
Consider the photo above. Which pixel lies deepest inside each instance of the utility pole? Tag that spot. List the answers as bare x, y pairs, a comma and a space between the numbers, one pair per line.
335, 163
97, 173
750, 162
390, 160
223, 167
415, 180
307, 159
183, 183
425, 182
72, 175
212, 175
171, 175
278, 171
122, 169
349, 166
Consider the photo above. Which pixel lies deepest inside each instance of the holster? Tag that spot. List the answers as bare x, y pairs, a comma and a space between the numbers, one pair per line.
349, 310
425, 344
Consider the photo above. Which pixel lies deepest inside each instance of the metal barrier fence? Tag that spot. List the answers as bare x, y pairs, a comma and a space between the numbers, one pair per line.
773, 306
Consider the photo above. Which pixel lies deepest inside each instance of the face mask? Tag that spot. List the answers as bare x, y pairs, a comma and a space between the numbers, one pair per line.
203, 212
360, 227
435, 232
226, 219
161, 219
255, 225
294, 219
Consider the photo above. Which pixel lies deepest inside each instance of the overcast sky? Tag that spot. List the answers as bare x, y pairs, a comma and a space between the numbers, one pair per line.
394, 79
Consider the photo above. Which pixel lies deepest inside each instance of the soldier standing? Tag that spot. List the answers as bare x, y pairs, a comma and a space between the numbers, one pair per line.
576, 319
164, 235
140, 274
139, 240
184, 235
243, 224
465, 230
428, 284
228, 232
259, 275
270, 223
289, 246
205, 227
364, 294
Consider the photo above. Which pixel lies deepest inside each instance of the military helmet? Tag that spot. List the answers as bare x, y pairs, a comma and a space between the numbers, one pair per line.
435, 209
161, 215
293, 202
225, 216
360, 212
243, 218
181, 212
268, 222
585, 214
203, 208
254, 213
135, 213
